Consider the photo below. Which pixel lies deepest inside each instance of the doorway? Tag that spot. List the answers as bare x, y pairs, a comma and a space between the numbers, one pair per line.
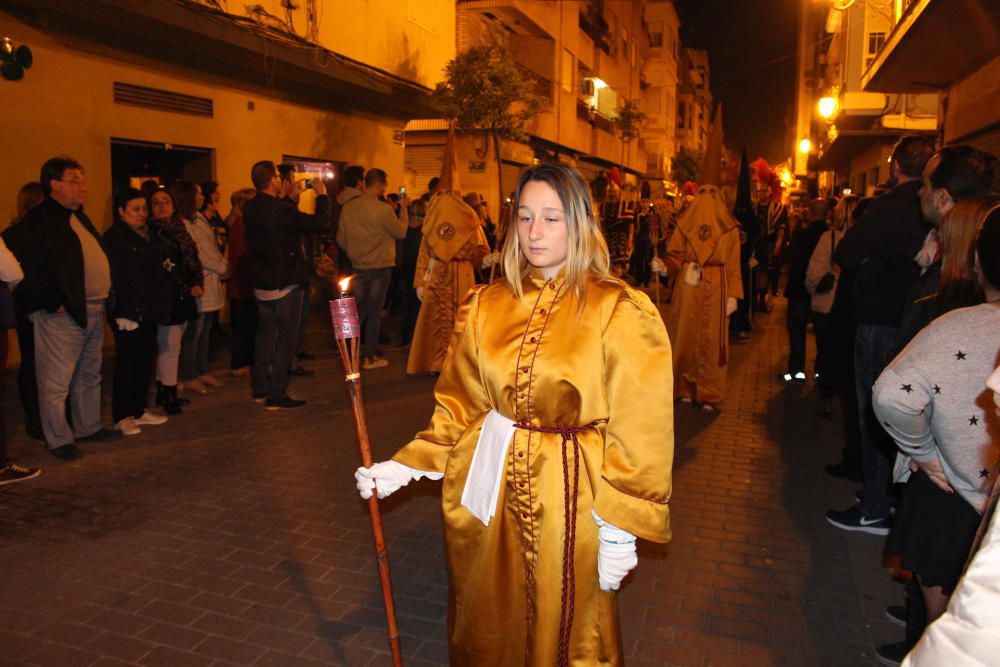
133, 162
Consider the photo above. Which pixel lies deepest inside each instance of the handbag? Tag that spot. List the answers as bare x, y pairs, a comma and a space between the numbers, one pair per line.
827, 282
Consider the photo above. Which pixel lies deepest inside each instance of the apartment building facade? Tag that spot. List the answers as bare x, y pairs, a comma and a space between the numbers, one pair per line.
851, 131
584, 59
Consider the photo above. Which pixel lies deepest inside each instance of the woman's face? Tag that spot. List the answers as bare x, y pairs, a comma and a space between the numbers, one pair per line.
213, 201
199, 199
163, 205
541, 228
134, 213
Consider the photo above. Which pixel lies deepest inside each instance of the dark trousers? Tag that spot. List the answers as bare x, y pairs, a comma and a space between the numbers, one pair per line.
277, 337
3, 386
370, 289
135, 359
411, 309
871, 343
799, 311
304, 318
741, 318
243, 329
27, 383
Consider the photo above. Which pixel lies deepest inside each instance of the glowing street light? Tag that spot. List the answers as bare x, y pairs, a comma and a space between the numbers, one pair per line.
827, 107
805, 146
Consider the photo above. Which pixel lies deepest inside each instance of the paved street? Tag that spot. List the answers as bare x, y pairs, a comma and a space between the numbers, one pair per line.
232, 535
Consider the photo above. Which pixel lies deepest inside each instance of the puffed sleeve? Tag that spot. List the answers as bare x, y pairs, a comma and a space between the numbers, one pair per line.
639, 445
459, 395
903, 401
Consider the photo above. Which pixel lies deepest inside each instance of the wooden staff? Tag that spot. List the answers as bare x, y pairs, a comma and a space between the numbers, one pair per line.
347, 332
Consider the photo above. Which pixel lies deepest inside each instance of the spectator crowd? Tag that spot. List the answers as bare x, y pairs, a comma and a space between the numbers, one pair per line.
162, 274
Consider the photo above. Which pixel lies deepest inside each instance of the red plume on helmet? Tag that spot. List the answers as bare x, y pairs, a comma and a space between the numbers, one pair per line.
767, 175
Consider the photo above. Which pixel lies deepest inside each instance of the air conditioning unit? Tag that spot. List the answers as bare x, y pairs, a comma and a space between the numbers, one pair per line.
587, 87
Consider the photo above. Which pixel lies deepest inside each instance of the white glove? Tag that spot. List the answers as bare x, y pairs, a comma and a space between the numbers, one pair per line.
420, 294
731, 304
388, 477
658, 266
491, 259
616, 555
125, 324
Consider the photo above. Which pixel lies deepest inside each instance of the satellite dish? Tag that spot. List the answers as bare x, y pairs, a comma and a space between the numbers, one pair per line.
15, 61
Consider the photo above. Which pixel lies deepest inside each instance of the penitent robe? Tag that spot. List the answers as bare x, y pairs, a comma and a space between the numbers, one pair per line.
453, 245
697, 320
537, 360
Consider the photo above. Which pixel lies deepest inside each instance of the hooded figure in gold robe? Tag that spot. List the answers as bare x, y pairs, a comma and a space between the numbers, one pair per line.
453, 245
703, 258
576, 364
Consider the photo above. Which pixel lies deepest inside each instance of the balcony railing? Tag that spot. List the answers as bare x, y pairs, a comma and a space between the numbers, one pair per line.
539, 85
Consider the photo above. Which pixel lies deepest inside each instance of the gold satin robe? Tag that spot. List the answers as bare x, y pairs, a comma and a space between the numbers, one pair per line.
534, 360
697, 320
453, 245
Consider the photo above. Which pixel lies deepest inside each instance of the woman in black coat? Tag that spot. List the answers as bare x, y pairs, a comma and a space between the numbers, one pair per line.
141, 303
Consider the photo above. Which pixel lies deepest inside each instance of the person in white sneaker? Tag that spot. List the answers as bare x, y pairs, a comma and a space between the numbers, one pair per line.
142, 302
10, 275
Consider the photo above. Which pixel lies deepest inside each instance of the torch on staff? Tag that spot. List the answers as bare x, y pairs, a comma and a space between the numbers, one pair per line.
347, 333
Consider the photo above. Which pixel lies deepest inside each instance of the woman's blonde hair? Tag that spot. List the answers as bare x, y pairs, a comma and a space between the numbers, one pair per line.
587, 252
957, 235
842, 216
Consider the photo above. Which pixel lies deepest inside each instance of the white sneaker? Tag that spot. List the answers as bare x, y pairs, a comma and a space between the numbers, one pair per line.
374, 362
150, 418
127, 426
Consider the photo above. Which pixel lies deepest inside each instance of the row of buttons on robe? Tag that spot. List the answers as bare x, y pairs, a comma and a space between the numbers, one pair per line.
524, 373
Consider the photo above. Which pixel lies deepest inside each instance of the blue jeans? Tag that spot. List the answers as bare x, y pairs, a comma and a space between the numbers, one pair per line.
277, 337
871, 344
370, 289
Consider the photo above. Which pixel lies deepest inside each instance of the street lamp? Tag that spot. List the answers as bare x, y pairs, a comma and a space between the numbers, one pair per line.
805, 146
827, 107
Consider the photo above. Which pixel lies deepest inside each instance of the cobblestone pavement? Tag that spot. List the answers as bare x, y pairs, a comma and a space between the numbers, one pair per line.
232, 535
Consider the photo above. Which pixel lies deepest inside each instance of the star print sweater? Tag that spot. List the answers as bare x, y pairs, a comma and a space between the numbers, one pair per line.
934, 402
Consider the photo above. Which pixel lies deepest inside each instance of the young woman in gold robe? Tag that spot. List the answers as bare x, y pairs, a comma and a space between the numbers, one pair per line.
553, 431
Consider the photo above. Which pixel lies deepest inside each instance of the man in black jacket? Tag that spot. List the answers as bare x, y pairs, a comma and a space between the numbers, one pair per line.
278, 271
880, 249
67, 280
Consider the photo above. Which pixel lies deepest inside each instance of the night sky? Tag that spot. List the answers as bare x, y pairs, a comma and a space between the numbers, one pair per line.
751, 51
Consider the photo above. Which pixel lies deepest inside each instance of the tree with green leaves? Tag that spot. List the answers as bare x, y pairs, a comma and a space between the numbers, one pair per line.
629, 121
485, 91
686, 166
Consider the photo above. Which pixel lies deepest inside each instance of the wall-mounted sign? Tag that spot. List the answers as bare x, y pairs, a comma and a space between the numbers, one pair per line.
399, 137
477, 166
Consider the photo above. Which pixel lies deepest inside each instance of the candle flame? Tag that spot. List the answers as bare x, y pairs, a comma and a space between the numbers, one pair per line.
344, 284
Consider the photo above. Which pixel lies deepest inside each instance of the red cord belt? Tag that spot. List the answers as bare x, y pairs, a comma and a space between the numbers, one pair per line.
570, 493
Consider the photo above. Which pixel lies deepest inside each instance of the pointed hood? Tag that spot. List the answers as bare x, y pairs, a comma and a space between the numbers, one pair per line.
449, 165
708, 217
711, 169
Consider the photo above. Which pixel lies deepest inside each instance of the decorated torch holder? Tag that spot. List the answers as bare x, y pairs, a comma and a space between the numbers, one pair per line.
347, 332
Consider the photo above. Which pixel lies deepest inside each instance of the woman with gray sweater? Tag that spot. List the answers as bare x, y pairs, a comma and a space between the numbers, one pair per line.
933, 402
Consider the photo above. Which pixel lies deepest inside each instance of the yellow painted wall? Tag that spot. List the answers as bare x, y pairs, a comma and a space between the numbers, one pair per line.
413, 39
64, 104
